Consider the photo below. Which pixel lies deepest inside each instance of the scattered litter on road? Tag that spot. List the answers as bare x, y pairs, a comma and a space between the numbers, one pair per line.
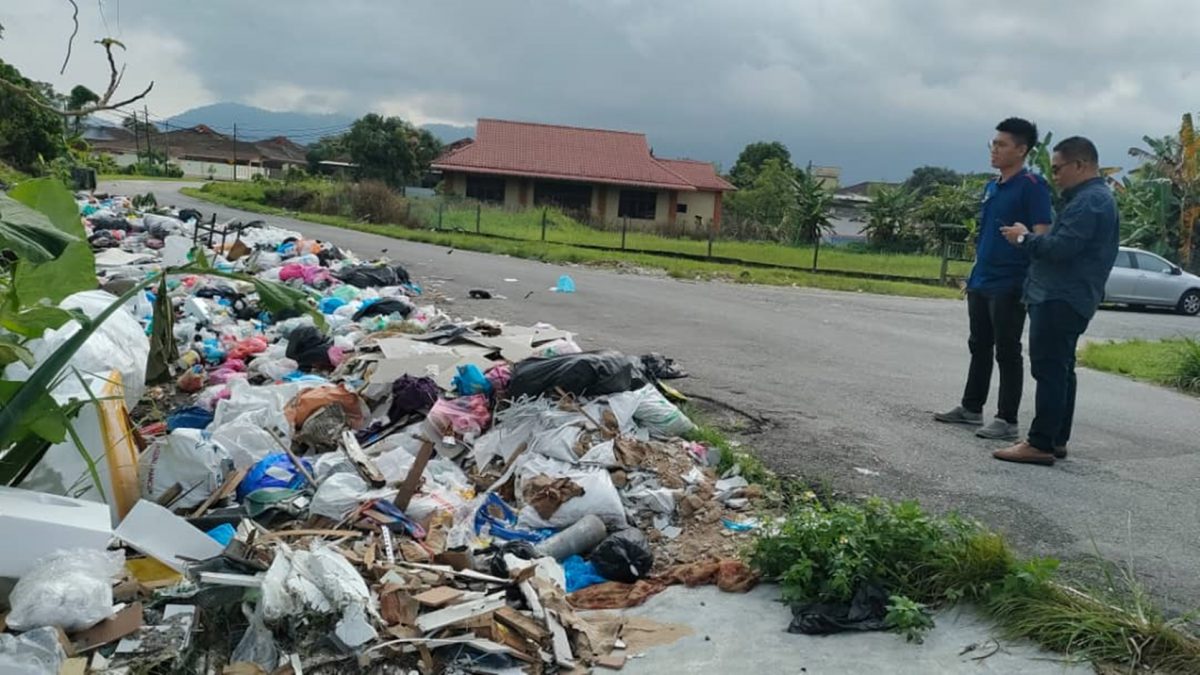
329, 468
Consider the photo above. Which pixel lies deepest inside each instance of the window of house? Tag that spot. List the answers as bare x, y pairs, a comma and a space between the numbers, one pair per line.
566, 196
680, 208
485, 188
641, 204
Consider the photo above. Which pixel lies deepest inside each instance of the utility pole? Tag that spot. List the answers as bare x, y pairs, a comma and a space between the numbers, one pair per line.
149, 149
235, 151
167, 143
137, 138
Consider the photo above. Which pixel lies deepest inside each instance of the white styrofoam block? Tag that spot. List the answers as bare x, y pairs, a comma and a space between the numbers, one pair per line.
36, 524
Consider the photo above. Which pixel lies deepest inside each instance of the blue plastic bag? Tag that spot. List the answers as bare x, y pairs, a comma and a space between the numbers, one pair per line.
565, 284
223, 534
331, 304
580, 574
505, 526
470, 381
191, 417
273, 471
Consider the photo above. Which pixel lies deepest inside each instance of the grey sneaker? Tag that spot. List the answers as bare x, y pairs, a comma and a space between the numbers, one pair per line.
999, 429
960, 415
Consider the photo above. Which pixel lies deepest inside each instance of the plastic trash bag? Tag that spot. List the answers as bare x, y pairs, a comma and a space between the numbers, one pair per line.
867, 611
412, 395
183, 457
580, 574
585, 374
600, 496
558, 348
274, 471
119, 344
309, 348
257, 644
374, 276
661, 417
341, 493
260, 406
624, 556
466, 416
68, 589
36, 652
470, 380
495, 518
191, 417
246, 443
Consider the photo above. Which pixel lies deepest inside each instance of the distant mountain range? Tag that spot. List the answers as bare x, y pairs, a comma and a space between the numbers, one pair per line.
255, 124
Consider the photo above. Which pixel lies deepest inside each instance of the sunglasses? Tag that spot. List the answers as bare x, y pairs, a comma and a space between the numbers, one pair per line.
1055, 168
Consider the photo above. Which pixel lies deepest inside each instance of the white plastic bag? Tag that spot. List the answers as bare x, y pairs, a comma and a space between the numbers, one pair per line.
118, 344
557, 443
600, 496
68, 589
260, 406
183, 457
660, 416
341, 493
36, 652
246, 443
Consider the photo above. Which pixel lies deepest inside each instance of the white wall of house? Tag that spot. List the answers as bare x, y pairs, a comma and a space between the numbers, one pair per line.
699, 203
217, 170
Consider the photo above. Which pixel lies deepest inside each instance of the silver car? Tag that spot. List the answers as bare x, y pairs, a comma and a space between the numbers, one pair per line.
1141, 279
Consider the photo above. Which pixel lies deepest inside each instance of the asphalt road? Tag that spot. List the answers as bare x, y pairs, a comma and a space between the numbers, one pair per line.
846, 384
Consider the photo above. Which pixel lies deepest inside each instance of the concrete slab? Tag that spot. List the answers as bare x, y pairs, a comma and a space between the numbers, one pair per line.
735, 632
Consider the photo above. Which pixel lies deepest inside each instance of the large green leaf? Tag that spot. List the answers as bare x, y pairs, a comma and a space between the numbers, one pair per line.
12, 351
29, 234
34, 321
75, 269
44, 419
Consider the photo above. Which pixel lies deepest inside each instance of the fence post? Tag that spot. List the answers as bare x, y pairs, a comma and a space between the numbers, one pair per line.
624, 229
543, 223
945, 256
816, 250
478, 215
710, 238
441, 205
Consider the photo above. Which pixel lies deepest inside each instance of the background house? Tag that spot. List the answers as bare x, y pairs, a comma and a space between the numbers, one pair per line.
202, 152
607, 175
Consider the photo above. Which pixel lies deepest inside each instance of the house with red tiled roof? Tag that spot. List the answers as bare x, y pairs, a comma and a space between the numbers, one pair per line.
611, 175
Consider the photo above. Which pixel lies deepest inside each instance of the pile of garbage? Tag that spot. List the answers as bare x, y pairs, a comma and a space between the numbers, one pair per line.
370, 484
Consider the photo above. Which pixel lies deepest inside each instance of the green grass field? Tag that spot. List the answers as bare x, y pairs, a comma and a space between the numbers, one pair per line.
1173, 363
565, 253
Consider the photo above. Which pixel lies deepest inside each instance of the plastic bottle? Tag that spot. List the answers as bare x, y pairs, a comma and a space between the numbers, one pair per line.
583, 536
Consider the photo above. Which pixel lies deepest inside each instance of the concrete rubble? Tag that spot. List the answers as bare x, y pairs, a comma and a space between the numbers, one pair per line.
365, 484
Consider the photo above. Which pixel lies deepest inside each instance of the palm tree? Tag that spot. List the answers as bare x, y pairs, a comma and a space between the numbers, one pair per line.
889, 214
1177, 160
808, 214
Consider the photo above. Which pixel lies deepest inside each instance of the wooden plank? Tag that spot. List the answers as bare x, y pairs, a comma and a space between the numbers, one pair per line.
398, 608
439, 597
223, 579
232, 480
366, 468
459, 613
413, 480
466, 574
75, 666
522, 624
281, 534
562, 644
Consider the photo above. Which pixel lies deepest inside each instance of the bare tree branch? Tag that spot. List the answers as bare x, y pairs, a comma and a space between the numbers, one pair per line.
105, 102
71, 40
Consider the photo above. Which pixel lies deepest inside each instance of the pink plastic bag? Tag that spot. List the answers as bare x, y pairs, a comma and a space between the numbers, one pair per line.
463, 416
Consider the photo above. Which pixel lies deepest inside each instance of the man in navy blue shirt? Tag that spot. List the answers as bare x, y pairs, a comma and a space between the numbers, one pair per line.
1071, 264
994, 306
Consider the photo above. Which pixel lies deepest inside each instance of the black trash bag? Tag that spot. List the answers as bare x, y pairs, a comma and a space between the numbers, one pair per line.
867, 611
106, 222
307, 347
521, 549
623, 556
374, 276
330, 254
661, 367
586, 374
190, 214
412, 395
384, 307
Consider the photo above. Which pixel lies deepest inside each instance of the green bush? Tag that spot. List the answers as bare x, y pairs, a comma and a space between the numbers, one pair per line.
1186, 371
823, 553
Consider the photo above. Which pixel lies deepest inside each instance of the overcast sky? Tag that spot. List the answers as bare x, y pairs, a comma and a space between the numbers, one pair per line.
876, 87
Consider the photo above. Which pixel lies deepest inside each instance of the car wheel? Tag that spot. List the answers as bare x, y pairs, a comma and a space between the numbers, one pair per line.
1189, 304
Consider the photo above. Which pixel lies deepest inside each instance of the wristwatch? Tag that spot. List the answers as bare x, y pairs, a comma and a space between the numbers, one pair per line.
1020, 239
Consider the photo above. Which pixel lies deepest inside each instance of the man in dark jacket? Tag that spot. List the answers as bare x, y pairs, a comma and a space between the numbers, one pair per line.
1070, 265
994, 308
